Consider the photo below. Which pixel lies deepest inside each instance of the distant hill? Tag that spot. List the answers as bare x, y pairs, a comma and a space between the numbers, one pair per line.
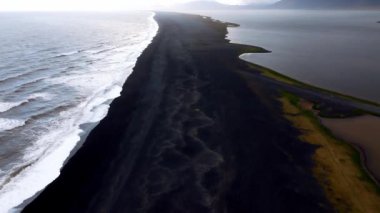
282, 4
328, 4
202, 5
213, 5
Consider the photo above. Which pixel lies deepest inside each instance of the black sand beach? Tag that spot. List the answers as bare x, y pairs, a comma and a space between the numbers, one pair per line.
188, 135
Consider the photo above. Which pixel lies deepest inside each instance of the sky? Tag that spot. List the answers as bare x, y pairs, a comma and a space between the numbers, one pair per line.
78, 5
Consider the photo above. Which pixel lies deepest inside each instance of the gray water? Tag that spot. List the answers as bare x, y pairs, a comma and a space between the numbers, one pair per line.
337, 50
58, 71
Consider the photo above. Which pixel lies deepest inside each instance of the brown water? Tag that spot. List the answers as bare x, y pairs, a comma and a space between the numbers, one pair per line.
363, 131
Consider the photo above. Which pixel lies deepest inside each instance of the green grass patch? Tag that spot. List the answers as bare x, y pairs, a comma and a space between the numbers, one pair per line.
293, 99
252, 49
288, 80
355, 153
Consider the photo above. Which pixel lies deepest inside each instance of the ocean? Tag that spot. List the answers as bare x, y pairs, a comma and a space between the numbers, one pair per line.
58, 72
336, 50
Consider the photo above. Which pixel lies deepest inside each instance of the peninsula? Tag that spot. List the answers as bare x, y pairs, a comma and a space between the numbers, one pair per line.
196, 129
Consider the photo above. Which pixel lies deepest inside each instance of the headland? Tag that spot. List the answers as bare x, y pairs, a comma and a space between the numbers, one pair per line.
196, 129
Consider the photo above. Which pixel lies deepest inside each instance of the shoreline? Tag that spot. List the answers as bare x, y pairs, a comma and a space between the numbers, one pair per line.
188, 134
67, 138
359, 106
338, 164
345, 108
367, 106
358, 135
184, 120
356, 106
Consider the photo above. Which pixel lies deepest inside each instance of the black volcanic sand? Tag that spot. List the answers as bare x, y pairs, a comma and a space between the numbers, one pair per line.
188, 135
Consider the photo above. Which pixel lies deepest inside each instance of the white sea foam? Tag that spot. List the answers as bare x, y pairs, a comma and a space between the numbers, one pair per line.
42, 95
5, 106
67, 53
44, 159
8, 124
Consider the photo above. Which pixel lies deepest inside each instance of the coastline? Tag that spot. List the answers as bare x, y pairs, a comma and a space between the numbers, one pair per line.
326, 104
185, 121
338, 164
361, 132
43, 165
231, 122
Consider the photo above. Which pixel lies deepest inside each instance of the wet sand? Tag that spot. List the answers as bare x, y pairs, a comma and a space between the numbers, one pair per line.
362, 131
188, 135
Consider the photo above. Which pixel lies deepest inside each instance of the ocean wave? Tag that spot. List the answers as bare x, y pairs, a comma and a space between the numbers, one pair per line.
8, 124
23, 81
100, 50
25, 86
17, 76
46, 155
67, 53
6, 106
42, 95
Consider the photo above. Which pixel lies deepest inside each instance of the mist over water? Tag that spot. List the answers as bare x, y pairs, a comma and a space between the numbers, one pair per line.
337, 50
58, 71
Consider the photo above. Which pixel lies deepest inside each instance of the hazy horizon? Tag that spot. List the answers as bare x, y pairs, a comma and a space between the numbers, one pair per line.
103, 5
